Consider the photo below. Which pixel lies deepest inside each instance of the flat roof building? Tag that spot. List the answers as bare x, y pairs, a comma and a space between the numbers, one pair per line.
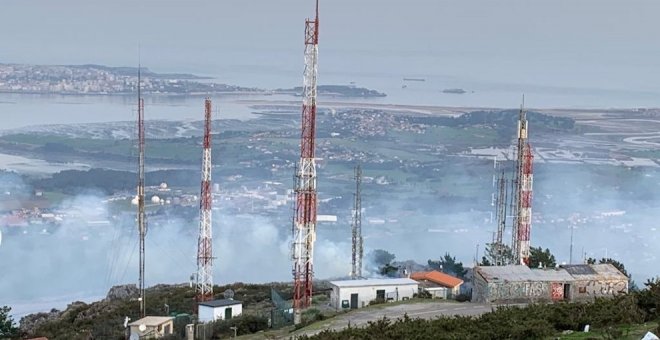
222, 309
352, 294
151, 327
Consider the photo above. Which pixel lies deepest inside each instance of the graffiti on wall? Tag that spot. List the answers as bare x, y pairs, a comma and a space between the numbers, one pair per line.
519, 290
602, 288
557, 291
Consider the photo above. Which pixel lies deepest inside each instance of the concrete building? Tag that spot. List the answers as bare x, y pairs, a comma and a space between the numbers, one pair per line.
151, 327
438, 284
596, 280
359, 293
223, 309
520, 284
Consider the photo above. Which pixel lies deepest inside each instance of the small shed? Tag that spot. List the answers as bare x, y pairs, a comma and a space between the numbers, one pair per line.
151, 327
596, 280
438, 284
222, 309
359, 293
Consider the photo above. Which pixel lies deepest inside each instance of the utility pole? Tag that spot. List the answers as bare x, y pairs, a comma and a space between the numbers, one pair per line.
306, 195
204, 242
570, 256
141, 216
356, 228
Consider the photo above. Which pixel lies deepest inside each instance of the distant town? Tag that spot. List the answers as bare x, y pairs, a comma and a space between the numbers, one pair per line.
104, 80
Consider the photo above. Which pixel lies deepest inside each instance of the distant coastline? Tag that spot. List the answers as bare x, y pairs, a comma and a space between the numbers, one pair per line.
100, 80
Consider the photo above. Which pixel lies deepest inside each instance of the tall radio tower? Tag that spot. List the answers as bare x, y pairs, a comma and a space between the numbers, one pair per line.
356, 228
204, 246
141, 218
501, 202
523, 193
304, 233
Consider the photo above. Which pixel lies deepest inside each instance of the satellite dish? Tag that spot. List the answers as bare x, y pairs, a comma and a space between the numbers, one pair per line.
228, 294
142, 327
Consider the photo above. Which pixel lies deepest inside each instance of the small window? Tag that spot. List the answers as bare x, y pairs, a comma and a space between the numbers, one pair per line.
582, 290
345, 304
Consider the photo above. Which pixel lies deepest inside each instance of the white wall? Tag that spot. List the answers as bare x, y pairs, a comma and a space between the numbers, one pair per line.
367, 294
208, 314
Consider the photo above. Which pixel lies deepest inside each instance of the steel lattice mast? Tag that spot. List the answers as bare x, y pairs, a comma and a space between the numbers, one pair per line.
523, 193
204, 245
304, 233
356, 228
141, 217
501, 218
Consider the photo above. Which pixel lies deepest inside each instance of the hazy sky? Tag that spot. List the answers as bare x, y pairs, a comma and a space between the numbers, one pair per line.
605, 44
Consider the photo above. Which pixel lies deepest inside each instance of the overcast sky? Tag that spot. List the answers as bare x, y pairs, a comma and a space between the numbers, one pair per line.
591, 43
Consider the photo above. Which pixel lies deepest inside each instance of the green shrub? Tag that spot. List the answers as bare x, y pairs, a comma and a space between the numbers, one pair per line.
423, 294
246, 324
377, 301
462, 298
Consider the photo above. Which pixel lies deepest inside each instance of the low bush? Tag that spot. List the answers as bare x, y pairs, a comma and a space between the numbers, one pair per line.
245, 324
462, 298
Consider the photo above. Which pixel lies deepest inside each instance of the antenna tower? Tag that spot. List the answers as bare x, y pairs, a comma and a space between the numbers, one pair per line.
501, 218
523, 193
141, 217
356, 228
204, 246
304, 234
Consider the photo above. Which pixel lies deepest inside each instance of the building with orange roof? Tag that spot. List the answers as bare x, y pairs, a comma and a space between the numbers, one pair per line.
438, 284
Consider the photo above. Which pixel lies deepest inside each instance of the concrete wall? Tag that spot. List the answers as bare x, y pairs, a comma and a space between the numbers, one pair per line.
590, 289
208, 314
525, 292
516, 292
368, 293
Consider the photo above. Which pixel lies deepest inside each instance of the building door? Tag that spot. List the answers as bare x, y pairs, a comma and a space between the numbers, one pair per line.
380, 294
227, 313
567, 292
354, 301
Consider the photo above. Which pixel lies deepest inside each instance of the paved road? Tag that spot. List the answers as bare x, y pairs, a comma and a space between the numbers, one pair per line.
423, 310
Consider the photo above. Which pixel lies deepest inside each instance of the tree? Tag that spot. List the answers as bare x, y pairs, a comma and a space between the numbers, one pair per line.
496, 254
543, 257
7, 328
448, 265
382, 257
389, 270
618, 265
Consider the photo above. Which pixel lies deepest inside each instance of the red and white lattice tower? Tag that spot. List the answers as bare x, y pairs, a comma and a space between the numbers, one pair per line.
522, 223
204, 245
304, 229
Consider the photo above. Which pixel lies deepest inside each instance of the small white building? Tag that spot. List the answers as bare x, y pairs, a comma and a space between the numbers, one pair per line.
223, 309
359, 293
151, 327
